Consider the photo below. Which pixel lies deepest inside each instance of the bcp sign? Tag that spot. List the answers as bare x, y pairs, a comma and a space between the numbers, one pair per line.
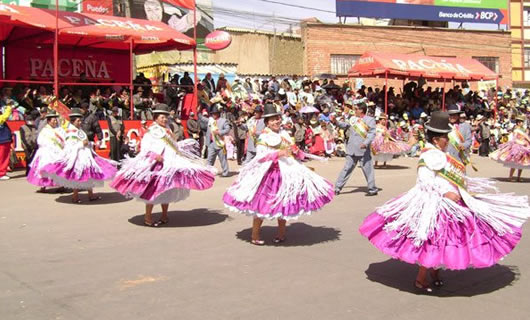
218, 40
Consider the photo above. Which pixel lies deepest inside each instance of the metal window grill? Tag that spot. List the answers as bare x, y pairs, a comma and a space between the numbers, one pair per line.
342, 63
491, 62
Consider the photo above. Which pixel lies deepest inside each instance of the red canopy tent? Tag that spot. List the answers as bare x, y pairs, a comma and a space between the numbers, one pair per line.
80, 30
404, 66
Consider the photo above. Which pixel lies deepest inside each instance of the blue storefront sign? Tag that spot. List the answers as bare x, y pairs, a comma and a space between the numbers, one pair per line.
349, 8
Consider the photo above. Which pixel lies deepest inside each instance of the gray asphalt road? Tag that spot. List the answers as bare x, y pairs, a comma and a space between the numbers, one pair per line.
96, 261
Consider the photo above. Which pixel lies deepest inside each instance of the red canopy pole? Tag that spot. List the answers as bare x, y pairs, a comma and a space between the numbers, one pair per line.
443, 97
386, 92
56, 52
131, 86
196, 77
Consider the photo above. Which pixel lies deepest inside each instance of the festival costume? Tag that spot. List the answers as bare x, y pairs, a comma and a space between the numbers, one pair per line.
384, 147
318, 145
514, 153
423, 227
80, 167
51, 144
168, 181
271, 187
460, 141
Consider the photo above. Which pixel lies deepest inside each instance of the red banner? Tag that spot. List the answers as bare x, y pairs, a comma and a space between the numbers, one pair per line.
132, 130
37, 63
61, 109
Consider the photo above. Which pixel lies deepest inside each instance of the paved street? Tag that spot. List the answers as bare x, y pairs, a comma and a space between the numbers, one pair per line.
97, 261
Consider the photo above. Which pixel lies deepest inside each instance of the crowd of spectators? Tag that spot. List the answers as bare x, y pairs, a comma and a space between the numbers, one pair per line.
310, 108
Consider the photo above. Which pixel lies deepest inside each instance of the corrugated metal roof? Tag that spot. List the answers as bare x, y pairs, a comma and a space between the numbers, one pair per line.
190, 65
264, 32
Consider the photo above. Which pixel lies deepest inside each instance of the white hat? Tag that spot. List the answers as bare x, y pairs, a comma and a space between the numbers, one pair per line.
281, 91
480, 117
423, 115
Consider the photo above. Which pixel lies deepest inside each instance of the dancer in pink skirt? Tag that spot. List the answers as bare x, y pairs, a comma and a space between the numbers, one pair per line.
51, 144
164, 171
447, 220
80, 168
384, 147
515, 154
274, 185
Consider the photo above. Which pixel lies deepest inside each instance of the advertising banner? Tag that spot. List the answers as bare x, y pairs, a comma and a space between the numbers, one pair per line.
37, 63
178, 14
98, 7
471, 11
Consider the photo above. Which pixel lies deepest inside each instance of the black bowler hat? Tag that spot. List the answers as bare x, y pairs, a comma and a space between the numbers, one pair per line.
454, 109
76, 113
270, 111
258, 109
439, 122
216, 108
161, 109
52, 114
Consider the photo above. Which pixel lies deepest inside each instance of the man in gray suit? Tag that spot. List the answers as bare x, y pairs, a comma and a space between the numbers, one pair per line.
361, 134
218, 127
254, 127
461, 138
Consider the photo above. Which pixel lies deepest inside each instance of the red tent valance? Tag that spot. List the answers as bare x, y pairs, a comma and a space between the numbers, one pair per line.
414, 66
88, 30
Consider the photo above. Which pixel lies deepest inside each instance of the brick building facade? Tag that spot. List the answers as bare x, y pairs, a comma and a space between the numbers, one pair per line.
332, 48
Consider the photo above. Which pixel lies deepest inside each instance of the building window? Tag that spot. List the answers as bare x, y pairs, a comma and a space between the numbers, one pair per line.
526, 16
526, 58
491, 62
342, 63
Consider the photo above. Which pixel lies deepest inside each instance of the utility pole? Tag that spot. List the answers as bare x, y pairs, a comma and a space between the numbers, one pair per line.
273, 43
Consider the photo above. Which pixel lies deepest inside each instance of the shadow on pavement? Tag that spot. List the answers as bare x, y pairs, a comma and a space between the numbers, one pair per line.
182, 219
465, 283
106, 198
505, 179
298, 234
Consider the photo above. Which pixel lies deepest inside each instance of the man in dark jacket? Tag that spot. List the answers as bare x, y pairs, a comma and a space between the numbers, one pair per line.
116, 130
172, 94
210, 84
90, 124
484, 134
187, 82
28, 134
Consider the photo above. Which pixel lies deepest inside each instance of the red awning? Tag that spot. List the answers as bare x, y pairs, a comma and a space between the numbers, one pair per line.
188, 4
414, 66
88, 30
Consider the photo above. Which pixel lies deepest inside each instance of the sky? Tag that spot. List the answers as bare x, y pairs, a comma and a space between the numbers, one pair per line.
258, 14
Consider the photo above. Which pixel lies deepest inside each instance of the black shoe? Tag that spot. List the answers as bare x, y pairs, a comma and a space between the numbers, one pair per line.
337, 192
371, 193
